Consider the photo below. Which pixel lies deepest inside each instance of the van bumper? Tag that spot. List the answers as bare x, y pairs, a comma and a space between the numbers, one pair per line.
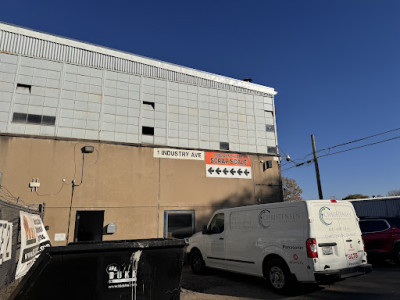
336, 275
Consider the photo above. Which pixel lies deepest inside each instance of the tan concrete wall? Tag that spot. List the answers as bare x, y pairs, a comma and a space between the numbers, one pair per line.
127, 182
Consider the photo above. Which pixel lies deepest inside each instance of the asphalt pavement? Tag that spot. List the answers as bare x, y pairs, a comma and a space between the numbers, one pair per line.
382, 283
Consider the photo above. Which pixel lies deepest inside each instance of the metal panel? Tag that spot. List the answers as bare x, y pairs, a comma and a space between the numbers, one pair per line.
35, 47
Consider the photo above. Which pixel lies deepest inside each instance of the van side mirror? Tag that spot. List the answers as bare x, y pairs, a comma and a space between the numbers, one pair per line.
204, 230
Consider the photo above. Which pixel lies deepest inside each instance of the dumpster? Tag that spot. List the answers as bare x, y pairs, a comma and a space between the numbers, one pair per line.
133, 269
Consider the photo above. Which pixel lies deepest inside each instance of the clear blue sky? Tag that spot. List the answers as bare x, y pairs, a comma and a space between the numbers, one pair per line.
335, 65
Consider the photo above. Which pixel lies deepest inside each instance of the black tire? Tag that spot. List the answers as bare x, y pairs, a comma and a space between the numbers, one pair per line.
197, 262
278, 276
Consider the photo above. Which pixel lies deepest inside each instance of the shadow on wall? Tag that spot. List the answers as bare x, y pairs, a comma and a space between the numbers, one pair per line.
268, 194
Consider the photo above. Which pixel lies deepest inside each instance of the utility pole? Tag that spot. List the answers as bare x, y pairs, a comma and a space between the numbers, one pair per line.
316, 167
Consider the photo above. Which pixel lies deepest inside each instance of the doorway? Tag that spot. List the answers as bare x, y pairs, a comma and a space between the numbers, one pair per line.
89, 226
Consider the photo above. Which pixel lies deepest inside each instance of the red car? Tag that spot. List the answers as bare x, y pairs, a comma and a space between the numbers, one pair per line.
381, 237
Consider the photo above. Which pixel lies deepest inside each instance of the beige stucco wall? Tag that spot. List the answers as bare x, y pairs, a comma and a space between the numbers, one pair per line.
127, 182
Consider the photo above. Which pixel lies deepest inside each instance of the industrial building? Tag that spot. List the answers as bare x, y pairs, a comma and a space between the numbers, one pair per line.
119, 146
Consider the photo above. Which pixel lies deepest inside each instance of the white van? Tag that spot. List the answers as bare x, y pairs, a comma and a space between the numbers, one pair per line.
285, 242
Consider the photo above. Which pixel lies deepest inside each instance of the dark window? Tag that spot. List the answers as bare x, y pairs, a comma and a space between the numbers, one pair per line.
223, 146
270, 128
149, 104
19, 118
34, 119
48, 120
26, 88
217, 224
373, 225
395, 222
179, 224
147, 130
272, 150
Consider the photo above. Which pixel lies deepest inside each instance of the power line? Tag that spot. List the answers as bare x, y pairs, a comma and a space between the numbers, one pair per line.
346, 150
350, 142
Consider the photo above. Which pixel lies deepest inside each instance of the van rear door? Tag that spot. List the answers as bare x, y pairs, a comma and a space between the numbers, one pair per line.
335, 227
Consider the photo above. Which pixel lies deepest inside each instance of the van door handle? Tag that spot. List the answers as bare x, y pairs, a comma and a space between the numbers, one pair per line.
221, 238
326, 244
349, 241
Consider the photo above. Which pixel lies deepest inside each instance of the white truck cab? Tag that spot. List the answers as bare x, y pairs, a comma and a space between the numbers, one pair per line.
285, 242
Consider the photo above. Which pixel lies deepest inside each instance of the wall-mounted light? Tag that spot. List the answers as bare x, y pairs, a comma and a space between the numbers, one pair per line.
87, 149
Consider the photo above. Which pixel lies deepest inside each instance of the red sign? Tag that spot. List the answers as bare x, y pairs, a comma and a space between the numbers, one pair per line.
227, 159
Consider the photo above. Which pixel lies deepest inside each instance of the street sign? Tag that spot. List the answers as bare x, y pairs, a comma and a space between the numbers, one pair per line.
178, 154
228, 165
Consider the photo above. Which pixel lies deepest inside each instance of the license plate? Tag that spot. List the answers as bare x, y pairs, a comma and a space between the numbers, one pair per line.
327, 250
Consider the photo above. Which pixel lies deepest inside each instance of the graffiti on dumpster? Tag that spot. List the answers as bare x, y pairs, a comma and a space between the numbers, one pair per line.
123, 275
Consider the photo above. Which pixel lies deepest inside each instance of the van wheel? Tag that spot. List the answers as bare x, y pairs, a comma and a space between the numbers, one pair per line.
197, 263
278, 276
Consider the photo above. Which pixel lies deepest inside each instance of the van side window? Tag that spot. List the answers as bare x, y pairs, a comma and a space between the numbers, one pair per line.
217, 224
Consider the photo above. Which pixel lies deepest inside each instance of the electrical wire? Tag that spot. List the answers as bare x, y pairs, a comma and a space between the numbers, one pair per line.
342, 151
52, 195
350, 142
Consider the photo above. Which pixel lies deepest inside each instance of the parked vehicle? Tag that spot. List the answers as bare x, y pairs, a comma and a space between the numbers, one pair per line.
304, 241
382, 237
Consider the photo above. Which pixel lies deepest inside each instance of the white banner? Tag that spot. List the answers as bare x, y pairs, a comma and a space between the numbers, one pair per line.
5, 241
178, 154
34, 239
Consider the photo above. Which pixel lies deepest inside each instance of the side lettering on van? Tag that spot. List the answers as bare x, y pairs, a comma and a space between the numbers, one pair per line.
327, 216
266, 218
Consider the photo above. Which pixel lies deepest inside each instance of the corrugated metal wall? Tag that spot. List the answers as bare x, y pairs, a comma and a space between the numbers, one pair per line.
388, 207
33, 47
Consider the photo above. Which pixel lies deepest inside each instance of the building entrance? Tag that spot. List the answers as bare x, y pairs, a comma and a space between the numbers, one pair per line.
89, 226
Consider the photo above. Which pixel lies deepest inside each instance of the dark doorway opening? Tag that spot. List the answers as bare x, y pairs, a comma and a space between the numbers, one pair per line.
89, 226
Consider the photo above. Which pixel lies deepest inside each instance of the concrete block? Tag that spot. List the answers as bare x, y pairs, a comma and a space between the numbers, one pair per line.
121, 128
173, 142
64, 132
10, 69
91, 134
161, 107
160, 83
204, 136
133, 87
148, 81
106, 126
183, 134
6, 87
92, 125
65, 122
148, 122
109, 83
193, 144
121, 120
173, 133
35, 110
84, 88
121, 111
160, 124
94, 89
204, 144
183, 103
132, 129
160, 99
94, 107
173, 117
79, 124
109, 118
8, 58
183, 143
122, 77
158, 140
3, 126
107, 136
147, 139
160, 132
173, 126
32, 129
193, 135
132, 138
133, 112
134, 79
17, 128
49, 111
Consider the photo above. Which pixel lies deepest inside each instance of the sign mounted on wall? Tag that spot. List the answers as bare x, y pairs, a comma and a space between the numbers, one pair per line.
178, 154
34, 239
228, 165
